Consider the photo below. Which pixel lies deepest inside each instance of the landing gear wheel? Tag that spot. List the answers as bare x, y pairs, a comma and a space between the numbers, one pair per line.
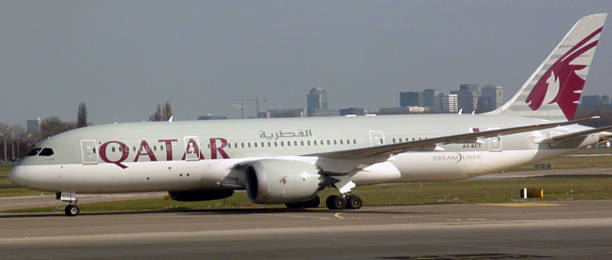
72, 210
335, 202
354, 202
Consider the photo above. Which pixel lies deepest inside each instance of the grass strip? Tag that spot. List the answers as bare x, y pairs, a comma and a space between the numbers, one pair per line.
473, 191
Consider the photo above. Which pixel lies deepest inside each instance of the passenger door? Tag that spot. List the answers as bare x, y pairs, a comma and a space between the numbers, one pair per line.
192, 148
89, 152
377, 137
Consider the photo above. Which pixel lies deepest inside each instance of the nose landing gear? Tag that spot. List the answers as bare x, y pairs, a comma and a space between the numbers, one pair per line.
71, 209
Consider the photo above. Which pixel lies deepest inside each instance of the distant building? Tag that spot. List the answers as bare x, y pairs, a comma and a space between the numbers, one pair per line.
595, 102
427, 97
316, 102
353, 111
491, 98
445, 103
212, 117
605, 99
467, 97
33, 126
277, 113
410, 99
400, 110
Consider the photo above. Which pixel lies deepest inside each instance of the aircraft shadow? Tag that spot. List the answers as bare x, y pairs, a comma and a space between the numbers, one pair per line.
226, 211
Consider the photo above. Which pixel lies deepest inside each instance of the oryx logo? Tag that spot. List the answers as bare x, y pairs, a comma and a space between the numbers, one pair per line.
560, 83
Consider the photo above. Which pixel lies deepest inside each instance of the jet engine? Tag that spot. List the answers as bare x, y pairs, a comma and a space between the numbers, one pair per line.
200, 195
282, 181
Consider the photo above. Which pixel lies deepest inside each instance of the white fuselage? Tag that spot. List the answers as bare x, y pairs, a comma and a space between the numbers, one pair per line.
200, 155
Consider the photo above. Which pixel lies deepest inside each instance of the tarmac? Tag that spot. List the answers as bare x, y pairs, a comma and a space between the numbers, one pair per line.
530, 229
523, 229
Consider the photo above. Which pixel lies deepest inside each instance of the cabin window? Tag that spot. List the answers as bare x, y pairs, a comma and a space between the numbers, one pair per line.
263, 144
288, 143
255, 144
295, 143
161, 147
302, 142
46, 152
282, 143
34, 151
154, 147
314, 142
321, 142
308, 142
242, 145
275, 144
249, 144
341, 141
269, 144
113, 149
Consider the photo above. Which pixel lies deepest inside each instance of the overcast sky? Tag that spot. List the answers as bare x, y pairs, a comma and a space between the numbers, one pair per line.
124, 57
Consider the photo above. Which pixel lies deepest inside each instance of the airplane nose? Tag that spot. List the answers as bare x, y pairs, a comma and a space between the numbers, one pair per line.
19, 175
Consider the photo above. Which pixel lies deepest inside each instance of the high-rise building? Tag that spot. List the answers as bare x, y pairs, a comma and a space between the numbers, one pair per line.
316, 102
428, 97
445, 103
492, 97
467, 97
410, 99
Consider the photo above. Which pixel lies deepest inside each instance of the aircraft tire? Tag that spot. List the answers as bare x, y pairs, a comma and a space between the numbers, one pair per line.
335, 202
354, 202
72, 210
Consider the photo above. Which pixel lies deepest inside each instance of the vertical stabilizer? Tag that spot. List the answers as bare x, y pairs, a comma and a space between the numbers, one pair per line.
554, 89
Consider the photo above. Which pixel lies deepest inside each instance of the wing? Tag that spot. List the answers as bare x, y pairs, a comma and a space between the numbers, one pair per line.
339, 163
432, 143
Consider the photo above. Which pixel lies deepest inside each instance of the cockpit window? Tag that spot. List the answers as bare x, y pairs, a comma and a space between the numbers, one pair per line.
34, 151
46, 152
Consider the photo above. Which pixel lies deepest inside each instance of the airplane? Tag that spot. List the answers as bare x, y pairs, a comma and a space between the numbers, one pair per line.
289, 160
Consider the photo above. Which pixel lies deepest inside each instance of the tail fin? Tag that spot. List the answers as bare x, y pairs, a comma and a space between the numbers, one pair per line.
553, 90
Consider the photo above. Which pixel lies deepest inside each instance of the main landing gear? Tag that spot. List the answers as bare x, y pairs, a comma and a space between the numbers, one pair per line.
71, 209
344, 201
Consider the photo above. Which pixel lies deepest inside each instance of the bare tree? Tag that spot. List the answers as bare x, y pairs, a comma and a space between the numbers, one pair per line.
53, 125
82, 115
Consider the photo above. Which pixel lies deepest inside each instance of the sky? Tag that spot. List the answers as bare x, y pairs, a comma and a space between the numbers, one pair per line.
123, 57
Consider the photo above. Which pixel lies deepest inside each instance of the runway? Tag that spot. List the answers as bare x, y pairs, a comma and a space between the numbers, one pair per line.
537, 229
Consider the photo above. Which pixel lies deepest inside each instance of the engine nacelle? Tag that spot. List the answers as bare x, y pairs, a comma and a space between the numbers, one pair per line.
282, 181
200, 195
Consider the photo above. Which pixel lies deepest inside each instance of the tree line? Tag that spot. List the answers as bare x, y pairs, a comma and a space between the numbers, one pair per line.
16, 141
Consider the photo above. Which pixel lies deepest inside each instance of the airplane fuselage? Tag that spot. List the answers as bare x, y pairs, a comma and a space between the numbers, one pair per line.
201, 155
